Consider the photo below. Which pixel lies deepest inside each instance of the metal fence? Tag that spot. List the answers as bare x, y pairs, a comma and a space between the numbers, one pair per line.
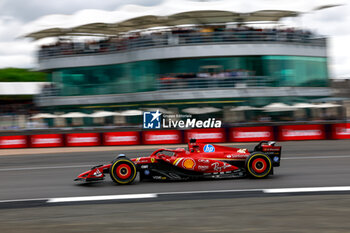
237, 82
114, 45
167, 84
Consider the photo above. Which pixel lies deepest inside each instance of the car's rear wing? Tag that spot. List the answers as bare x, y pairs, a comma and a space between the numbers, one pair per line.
269, 148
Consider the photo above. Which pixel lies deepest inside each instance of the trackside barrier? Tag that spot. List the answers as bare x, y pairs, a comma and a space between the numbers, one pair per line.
301, 132
341, 131
162, 137
46, 140
206, 135
19, 141
121, 138
83, 139
251, 134
212, 135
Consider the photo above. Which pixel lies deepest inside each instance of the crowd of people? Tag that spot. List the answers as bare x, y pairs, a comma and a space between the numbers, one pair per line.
12, 110
224, 78
50, 89
211, 75
13, 107
173, 36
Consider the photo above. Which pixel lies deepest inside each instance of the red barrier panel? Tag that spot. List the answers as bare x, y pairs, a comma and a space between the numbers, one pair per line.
121, 138
301, 132
206, 135
341, 131
161, 137
83, 139
19, 141
46, 140
251, 134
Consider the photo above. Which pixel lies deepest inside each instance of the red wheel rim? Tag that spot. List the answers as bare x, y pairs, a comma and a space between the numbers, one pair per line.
123, 171
259, 165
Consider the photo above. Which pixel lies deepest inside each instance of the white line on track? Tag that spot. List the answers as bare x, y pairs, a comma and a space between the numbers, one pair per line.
211, 191
82, 166
271, 190
156, 195
311, 189
24, 200
103, 198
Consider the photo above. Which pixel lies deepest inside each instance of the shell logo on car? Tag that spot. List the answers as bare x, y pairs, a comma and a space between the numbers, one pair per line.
188, 163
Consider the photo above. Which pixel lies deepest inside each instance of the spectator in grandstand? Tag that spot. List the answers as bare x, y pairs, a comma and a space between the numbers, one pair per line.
203, 75
172, 36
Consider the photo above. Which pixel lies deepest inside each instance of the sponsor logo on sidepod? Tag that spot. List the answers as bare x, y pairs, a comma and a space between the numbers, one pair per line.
209, 148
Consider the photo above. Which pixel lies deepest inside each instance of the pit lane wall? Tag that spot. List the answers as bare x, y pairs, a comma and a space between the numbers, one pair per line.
213, 135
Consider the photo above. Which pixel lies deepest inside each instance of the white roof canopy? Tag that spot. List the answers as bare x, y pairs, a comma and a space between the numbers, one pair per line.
327, 105
204, 110
104, 114
199, 17
131, 113
244, 108
304, 105
43, 115
74, 115
278, 107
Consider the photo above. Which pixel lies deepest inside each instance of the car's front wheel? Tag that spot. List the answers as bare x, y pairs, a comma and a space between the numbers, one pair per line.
258, 165
123, 171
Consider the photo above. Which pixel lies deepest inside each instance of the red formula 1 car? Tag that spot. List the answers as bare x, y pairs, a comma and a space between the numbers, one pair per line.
199, 161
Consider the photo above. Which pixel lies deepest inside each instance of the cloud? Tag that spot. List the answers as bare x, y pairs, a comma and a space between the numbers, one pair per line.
28, 10
339, 58
20, 61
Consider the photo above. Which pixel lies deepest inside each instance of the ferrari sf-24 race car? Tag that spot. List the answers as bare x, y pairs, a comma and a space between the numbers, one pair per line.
200, 161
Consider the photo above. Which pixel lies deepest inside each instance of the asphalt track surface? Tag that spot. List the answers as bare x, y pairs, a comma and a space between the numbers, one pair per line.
303, 164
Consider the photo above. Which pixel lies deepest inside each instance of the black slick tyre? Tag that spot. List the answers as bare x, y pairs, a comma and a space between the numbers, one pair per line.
123, 171
258, 165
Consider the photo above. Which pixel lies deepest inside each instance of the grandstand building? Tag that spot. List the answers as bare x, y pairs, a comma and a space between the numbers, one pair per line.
219, 61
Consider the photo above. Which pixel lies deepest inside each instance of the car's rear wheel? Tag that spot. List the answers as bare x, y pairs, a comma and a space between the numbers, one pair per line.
258, 165
123, 171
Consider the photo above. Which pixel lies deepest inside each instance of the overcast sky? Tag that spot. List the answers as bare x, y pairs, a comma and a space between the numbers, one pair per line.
19, 17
